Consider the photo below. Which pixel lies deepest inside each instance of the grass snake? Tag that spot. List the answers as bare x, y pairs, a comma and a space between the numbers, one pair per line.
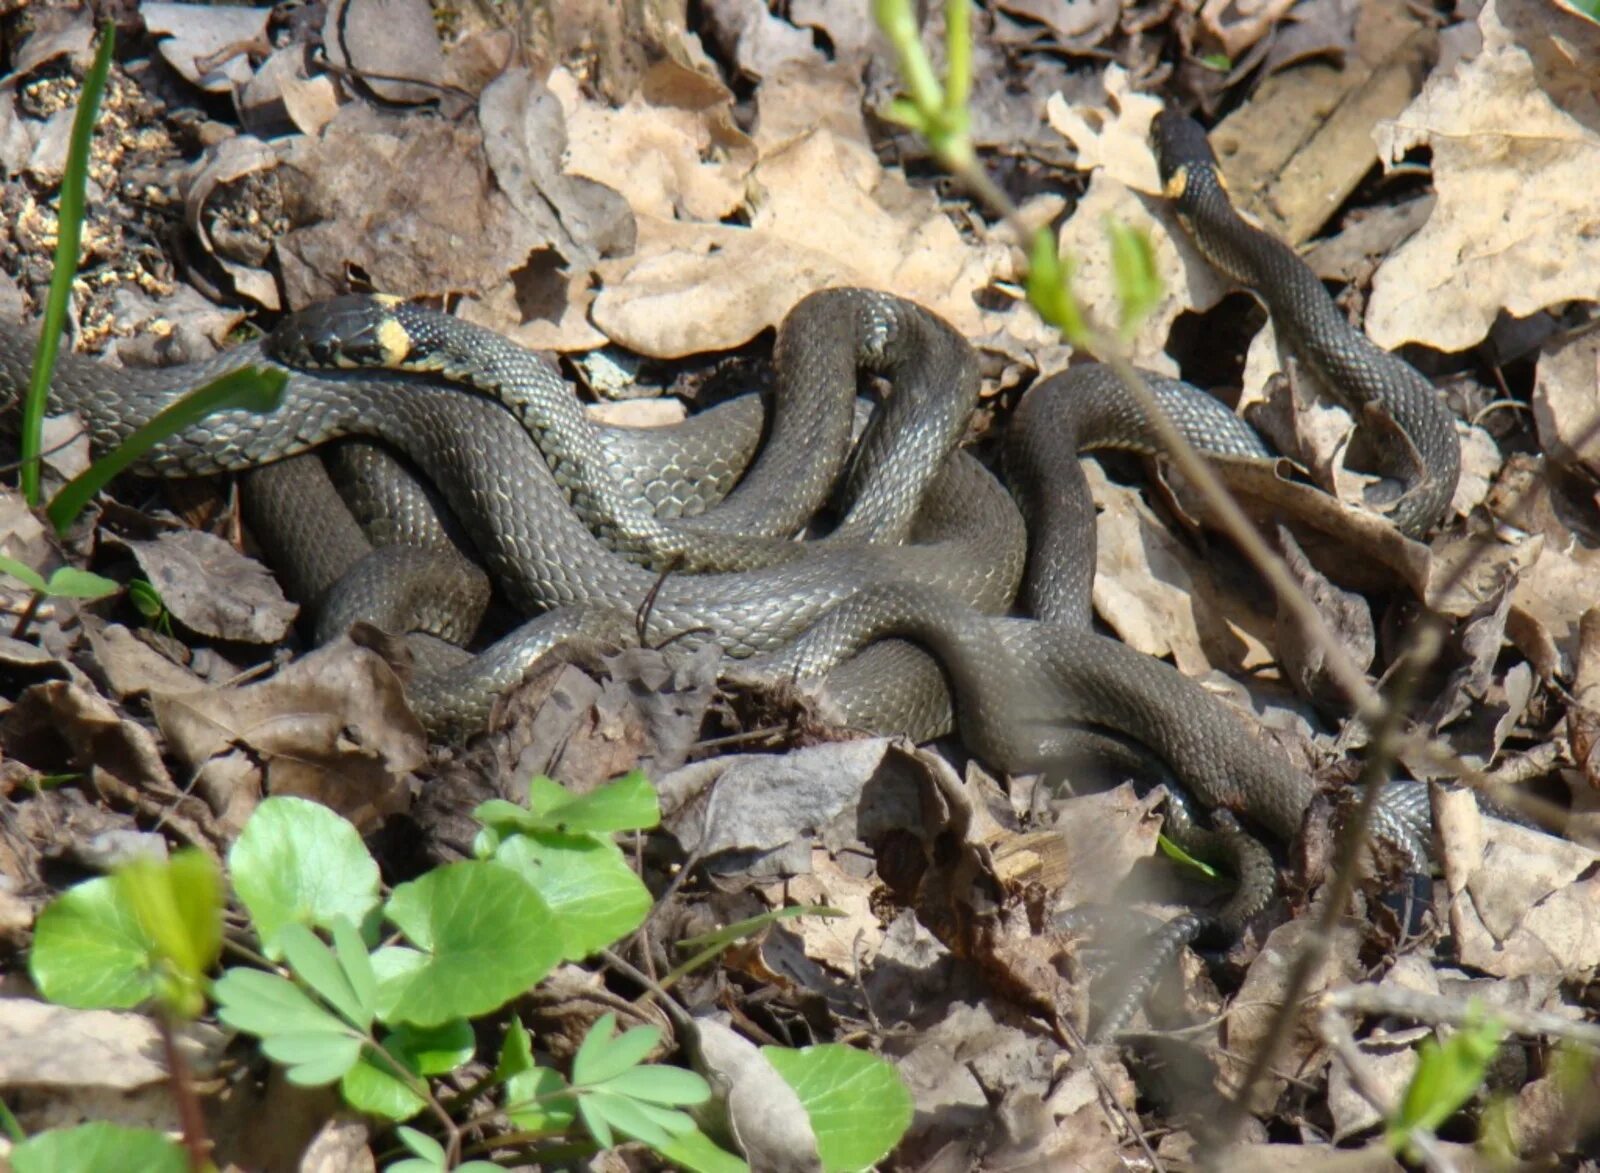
581, 546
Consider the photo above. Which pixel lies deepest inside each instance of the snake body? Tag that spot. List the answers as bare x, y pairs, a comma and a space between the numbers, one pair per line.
1025, 689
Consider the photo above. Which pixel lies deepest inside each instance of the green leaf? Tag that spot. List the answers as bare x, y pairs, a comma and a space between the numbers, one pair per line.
535, 1101
373, 1086
485, 936
601, 1057
628, 803
1178, 855
65, 582
69, 232
422, 1145
696, 1151
296, 862
656, 1084
91, 952
315, 1058
603, 1110
248, 389
261, 1004
68, 582
516, 1052
433, 1050
317, 965
146, 599
587, 883
1134, 273
23, 573
1447, 1076
179, 905
858, 1106
534, 1095
316, 1047
96, 1147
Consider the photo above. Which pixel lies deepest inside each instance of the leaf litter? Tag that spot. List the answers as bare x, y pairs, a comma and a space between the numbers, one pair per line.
677, 204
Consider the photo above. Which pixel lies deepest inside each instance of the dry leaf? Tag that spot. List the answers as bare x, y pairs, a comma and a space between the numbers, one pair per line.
1521, 901
1515, 153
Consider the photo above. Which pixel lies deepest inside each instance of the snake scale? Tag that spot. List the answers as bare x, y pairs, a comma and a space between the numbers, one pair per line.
563, 538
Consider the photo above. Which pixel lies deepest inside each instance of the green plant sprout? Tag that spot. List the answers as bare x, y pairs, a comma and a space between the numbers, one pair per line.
1447, 1076
69, 235
147, 601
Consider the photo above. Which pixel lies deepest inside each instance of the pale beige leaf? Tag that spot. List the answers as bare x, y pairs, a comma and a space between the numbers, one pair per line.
1514, 227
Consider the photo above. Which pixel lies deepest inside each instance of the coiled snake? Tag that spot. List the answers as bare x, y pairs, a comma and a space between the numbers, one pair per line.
530, 488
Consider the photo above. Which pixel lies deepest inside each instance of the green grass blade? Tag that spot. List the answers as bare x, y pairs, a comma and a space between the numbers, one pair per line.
252, 389
69, 232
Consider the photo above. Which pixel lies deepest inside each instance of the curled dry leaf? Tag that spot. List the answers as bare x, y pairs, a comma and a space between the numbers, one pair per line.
1262, 993
1235, 25
763, 1113
209, 47
765, 803
60, 727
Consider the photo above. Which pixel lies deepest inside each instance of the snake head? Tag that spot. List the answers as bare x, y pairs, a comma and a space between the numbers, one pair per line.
1180, 143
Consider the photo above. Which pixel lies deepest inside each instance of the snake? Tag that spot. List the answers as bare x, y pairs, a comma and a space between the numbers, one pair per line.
503, 444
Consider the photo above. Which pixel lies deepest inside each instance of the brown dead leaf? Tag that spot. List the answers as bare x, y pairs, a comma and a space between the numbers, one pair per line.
1583, 714
845, 944
524, 138
59, 727
1113, 139
360, 203
1315, 28
206, 45
131, 665
1261, 994
1565, 407
1235, 25
758, 41
280, 97
817, 209
770, 806
1103, 835
851, 31
392, 46
1159, 596
342, 1145
1521, 901
332, 726
212, 589
1515, 149
1556, 573
1346, 617
229, 162
767, 1119
1080, 25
